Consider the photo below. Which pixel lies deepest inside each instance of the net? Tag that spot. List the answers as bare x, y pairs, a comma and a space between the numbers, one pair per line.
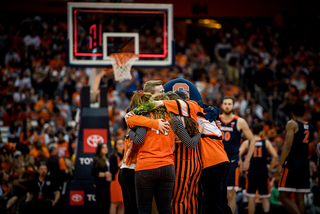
122, 63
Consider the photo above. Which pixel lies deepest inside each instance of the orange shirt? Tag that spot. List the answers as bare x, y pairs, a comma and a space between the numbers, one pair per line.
62, 164
41, 138
211, 146
45, 113
60, 121
312, 149
27, 140
35, 152
156, 150
137, 120
63, 149
56, 64
128, 143
76, 98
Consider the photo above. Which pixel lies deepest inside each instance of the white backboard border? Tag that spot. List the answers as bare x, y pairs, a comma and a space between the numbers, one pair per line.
168, 61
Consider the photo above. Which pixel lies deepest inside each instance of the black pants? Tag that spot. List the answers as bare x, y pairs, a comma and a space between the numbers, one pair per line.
158, 182
214, 183
103, 198
37, 207
128, 187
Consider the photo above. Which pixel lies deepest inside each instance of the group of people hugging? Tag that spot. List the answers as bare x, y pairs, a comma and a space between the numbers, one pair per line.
172, 154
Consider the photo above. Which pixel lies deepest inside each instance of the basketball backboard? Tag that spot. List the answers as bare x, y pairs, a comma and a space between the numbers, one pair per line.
96, 30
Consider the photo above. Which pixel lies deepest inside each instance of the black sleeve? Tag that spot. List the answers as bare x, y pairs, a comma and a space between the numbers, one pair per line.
123, 124
33, 187
94, 169
138, 135
180, 131
123, 121
113, 164
55, 185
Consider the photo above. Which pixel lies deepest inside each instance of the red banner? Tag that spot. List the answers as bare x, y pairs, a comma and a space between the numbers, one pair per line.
76, 198
91, 139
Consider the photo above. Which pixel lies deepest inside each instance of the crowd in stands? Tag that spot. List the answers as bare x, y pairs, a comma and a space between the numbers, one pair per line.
266, 67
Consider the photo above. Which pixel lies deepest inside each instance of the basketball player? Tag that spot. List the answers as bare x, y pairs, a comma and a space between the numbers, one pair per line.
231, 127
257, 177
294, 163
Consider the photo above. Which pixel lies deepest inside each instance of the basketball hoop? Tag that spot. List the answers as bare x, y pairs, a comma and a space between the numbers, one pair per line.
121, 64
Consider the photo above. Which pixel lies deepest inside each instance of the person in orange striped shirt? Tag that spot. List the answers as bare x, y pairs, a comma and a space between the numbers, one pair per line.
155, 174
187, 161
215, 162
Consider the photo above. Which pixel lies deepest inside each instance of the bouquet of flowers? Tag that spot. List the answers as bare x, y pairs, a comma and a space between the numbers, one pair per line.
144, 108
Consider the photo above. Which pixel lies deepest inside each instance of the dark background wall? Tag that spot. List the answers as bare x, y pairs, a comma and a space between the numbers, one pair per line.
187, 8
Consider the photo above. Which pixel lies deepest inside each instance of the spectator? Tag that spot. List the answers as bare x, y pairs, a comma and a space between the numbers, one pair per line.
101, 172
32, 41
15, 178
7, 199
62, 144
14, 131
315, 207
50, 131
233, 72
11, 58
26, 133
57, 63
122, 102
56, 165
221, 50
30, 165
39, 152
39, 135
18, 95
71, 133
44, 108
43, 193
58, 118
76, 96
298, 82
63, 107
24, 81
275, 204
115, 188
